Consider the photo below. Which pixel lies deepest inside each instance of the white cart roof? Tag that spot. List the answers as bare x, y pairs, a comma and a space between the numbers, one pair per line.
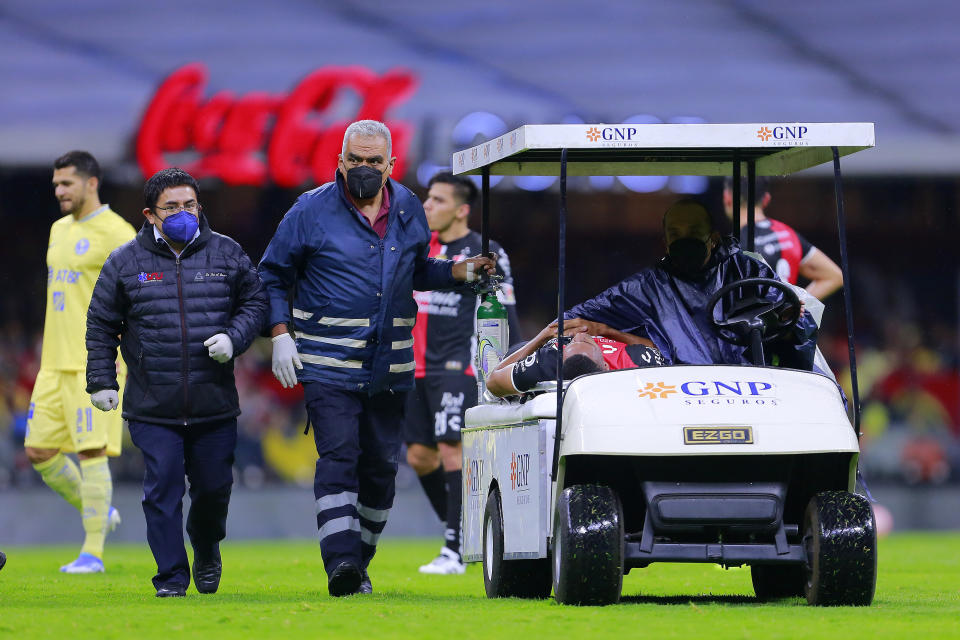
778, 148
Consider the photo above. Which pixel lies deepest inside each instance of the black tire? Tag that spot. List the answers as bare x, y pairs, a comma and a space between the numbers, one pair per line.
588, 546
774, 581
840, 538
509, 578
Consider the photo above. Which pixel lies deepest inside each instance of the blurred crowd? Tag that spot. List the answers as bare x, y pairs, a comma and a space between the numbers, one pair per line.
908, 379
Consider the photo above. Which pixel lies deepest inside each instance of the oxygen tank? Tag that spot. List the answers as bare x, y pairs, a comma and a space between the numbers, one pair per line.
493, 335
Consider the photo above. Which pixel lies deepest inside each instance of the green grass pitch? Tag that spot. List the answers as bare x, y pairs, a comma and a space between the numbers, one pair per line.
278, 590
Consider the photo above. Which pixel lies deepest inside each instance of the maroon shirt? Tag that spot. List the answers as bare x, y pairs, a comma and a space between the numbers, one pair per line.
380, 222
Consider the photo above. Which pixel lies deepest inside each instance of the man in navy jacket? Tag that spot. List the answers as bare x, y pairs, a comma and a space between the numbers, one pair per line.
182, 302
351, 252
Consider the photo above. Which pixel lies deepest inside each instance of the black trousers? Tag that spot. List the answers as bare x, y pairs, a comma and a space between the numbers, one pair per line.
204, 454
358, 447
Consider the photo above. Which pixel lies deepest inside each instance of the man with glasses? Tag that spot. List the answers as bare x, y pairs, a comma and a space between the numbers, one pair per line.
182, 302
351, 253
60, 418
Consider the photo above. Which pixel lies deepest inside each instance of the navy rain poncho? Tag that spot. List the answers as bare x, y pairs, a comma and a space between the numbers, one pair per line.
671, 310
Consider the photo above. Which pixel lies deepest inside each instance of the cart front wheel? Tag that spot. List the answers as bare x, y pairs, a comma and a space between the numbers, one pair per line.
840, 538
509, 578
588, 546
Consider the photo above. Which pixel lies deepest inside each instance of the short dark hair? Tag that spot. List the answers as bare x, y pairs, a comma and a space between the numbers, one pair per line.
463, 188
165, 179
82, 161
692, 202
762, 186
578, 365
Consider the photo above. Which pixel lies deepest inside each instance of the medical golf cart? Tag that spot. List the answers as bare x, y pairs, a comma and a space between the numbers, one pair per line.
571, 486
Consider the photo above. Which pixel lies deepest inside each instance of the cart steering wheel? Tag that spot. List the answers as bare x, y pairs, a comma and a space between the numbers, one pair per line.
748, 316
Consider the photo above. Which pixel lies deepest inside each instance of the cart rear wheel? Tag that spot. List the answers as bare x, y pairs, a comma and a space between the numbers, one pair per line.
509, 578
773, 581
588, 546
840, 538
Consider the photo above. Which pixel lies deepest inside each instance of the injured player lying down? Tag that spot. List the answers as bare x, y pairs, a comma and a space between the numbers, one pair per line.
588, 347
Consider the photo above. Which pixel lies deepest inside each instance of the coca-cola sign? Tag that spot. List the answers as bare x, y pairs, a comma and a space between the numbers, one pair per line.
289, 139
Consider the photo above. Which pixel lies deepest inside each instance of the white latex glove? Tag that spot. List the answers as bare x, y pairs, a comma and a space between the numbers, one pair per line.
286, 361
220, 347
105, 399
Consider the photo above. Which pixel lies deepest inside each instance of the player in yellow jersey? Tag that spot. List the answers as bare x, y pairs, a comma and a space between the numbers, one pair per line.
61, 417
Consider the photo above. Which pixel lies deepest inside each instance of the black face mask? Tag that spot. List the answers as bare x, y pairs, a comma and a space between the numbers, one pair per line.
364, 182
688, 254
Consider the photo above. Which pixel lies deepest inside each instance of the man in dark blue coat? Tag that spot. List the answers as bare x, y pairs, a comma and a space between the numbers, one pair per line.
351, 252
667, 303
182, 302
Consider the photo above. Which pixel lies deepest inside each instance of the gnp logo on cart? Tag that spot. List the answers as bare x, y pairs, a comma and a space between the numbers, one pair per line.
611, 134
472, 476
782, 135
519, 471
714, 392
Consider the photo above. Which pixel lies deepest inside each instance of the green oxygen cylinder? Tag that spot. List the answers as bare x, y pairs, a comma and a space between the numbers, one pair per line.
493, 336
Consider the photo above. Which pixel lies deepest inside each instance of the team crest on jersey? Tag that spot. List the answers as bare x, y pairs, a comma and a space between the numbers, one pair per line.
82, 246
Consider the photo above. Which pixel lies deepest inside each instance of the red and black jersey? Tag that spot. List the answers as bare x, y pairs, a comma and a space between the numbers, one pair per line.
782, 247
541, 365
444, 338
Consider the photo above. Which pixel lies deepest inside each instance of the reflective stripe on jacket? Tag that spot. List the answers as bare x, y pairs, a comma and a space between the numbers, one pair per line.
353, 308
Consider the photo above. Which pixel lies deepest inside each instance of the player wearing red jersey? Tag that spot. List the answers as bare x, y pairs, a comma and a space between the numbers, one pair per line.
583, 353
786, 251
443, 348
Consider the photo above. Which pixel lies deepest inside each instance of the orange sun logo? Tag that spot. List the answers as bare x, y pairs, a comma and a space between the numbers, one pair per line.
764, 133
655, 390
593, 134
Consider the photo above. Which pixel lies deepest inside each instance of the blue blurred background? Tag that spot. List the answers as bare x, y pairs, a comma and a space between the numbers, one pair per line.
253, 97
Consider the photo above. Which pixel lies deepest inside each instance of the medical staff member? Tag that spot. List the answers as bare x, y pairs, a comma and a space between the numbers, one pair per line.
182, 302
351, 253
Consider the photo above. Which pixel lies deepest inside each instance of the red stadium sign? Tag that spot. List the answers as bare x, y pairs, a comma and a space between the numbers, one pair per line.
259, 137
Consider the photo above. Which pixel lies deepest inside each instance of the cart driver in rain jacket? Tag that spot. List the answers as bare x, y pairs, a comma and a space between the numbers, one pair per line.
667, 303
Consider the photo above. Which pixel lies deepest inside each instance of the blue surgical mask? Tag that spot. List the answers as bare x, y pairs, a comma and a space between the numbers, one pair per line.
181, 226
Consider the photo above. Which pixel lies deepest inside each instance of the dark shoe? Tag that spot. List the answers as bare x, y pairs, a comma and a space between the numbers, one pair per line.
365, 585
345, 580
206, 570
171, 592
3, 559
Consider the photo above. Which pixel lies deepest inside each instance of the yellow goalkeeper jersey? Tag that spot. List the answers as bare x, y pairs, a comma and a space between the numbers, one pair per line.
75, 254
